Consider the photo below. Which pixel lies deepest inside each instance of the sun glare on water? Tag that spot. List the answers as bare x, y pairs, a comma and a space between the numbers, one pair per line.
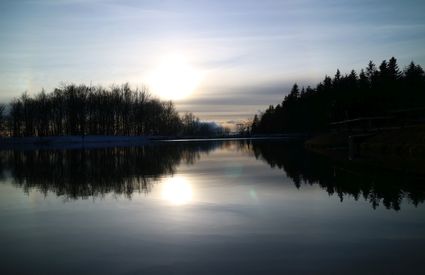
177, 190
174, 78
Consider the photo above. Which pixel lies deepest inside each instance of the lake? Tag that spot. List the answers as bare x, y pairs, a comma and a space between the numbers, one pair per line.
210, 207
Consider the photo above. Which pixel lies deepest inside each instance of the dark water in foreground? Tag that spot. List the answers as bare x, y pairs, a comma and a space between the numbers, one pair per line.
208, 207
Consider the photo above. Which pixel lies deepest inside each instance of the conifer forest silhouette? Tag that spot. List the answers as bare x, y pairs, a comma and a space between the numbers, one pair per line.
374, 91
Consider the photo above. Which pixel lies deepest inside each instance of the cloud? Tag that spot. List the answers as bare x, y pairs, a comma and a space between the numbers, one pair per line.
252, 51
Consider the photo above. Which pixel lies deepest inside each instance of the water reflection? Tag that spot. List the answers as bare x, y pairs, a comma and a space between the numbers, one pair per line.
341, 177
177, 190
76, 174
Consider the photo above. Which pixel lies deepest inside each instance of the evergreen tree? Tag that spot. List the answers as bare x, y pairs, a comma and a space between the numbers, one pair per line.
372, 92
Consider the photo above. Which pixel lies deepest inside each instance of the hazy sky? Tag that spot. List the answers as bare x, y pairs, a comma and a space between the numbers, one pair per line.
249, 52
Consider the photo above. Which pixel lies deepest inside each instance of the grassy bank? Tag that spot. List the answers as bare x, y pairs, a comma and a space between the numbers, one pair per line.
409, 141
401, 150
406, 142
328, 141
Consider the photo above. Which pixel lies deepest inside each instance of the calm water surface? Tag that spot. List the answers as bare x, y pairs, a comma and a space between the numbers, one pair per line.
206, 208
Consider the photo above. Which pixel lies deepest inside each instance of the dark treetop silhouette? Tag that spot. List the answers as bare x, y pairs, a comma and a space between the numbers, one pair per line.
372, 92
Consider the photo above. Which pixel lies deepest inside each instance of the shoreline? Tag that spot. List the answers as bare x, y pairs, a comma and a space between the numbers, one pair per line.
94, 141
70, 142
406, 142
402, 150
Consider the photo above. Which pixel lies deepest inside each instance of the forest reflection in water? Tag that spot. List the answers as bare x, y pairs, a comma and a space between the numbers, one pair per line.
76, 174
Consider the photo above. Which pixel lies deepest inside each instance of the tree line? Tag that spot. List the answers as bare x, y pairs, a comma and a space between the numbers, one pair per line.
373, 91
86, 110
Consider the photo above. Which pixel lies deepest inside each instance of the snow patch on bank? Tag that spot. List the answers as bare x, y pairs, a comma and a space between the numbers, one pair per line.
70, 142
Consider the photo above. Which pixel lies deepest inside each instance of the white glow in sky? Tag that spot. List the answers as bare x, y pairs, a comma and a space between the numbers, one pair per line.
174, 78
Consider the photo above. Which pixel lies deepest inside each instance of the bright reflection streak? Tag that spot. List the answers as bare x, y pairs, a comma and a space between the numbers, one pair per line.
177, 190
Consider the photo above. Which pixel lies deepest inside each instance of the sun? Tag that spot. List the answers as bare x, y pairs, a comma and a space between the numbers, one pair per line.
177, 190
174, 78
